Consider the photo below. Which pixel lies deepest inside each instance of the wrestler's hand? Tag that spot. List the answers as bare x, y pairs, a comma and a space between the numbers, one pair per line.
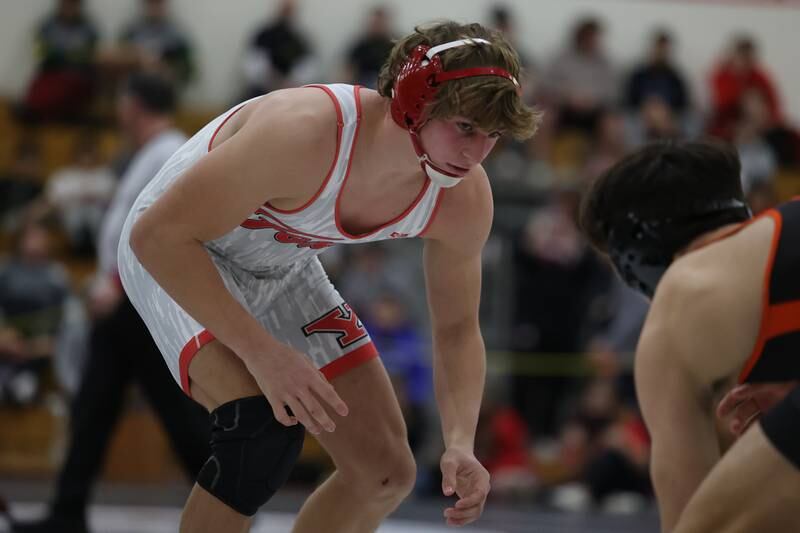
464, 476
289, 379
744, 404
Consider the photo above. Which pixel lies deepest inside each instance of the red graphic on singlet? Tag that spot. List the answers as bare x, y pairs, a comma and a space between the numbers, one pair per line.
283, 233
341, 320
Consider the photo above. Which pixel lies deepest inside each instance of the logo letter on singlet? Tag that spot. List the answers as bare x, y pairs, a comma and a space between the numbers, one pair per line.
340, 320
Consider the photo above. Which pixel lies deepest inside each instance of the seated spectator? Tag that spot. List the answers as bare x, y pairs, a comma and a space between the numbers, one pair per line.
33, 289
656, 121
503, 444
79, 194
404, 353
738, 72
762, 196
369, 52
278, 55
758, 158
21, 184
501, 19
557, 280
63, 85
609, 146
158, 45
580, 82
605, 452
658, 77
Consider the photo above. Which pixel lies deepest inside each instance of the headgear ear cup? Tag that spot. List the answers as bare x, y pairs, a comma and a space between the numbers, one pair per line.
420, 76
416, 86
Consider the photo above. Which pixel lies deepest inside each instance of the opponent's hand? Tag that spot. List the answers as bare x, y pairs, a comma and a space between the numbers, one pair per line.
464, 476
744, 404
289, 379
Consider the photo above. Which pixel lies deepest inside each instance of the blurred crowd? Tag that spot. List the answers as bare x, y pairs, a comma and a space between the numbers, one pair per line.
560, 423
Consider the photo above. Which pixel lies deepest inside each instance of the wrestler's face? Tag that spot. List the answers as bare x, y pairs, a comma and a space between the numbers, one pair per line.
456, 144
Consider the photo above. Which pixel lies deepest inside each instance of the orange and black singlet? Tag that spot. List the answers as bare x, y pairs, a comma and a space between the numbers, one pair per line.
776, 355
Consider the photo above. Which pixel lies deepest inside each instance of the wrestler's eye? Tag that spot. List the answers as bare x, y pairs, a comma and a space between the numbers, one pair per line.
496, 134
466, 127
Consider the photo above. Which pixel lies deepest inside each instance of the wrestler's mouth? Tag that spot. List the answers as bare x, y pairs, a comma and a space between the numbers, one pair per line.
457, 169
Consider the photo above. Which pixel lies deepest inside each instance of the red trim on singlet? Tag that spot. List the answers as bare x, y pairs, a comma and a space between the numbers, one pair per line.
339, 128
349, 361
436, 206
767, 324
214, 136
396, 219
283, 225
188, 352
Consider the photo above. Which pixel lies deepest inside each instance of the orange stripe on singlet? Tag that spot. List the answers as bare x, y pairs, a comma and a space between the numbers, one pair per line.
775, 319
782, 319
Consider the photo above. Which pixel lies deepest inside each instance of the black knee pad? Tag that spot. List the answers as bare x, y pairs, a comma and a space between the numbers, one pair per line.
780, 424
252, 454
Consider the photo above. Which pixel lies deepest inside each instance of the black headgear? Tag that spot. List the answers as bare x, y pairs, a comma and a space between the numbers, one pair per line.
642, 248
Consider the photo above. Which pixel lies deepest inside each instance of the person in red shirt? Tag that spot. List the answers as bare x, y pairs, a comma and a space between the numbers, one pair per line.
739, 72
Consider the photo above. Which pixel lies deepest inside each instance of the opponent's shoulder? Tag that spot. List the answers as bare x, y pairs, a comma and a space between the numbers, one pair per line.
695, 320
465, 213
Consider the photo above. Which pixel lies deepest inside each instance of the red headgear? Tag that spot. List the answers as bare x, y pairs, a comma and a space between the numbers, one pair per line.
416, 86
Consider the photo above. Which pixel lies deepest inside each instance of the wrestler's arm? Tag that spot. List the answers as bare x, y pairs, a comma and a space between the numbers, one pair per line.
452, 260
676, 403
453, 280
267, 158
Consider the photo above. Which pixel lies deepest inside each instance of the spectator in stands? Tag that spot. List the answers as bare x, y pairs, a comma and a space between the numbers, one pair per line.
751, 130
80, 193
738, 72
33, 289
656, 121
609, 145
762, 196
63, 84
121, 351
580, 83
657, 77
558, 280
278, 55
157, 44
504, 446
21, 184
501, 19
368, 53
615, 451
404, 354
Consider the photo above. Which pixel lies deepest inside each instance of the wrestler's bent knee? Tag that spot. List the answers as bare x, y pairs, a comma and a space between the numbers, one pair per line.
252, 454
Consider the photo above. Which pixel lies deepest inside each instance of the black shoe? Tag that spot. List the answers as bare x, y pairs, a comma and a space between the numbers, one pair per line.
51, 525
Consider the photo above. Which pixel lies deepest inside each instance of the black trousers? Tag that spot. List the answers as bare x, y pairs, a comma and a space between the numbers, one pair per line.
122, 353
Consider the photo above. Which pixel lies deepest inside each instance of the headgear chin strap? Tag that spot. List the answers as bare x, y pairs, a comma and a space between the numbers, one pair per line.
416, 86
642, 249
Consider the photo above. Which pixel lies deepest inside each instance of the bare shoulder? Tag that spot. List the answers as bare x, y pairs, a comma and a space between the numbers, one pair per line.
707, 308
465, 214
303, 116
291, 134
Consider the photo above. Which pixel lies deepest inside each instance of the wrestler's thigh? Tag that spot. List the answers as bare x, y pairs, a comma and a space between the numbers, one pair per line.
217, 375
373, 433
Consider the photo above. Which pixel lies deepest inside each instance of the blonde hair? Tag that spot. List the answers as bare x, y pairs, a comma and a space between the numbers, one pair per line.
493, 103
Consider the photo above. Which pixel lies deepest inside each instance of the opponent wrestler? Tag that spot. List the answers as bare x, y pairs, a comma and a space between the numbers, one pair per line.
219, 258
725, 291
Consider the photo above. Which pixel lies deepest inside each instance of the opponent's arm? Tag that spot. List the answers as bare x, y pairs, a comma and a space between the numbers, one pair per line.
677, 405
261, 161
